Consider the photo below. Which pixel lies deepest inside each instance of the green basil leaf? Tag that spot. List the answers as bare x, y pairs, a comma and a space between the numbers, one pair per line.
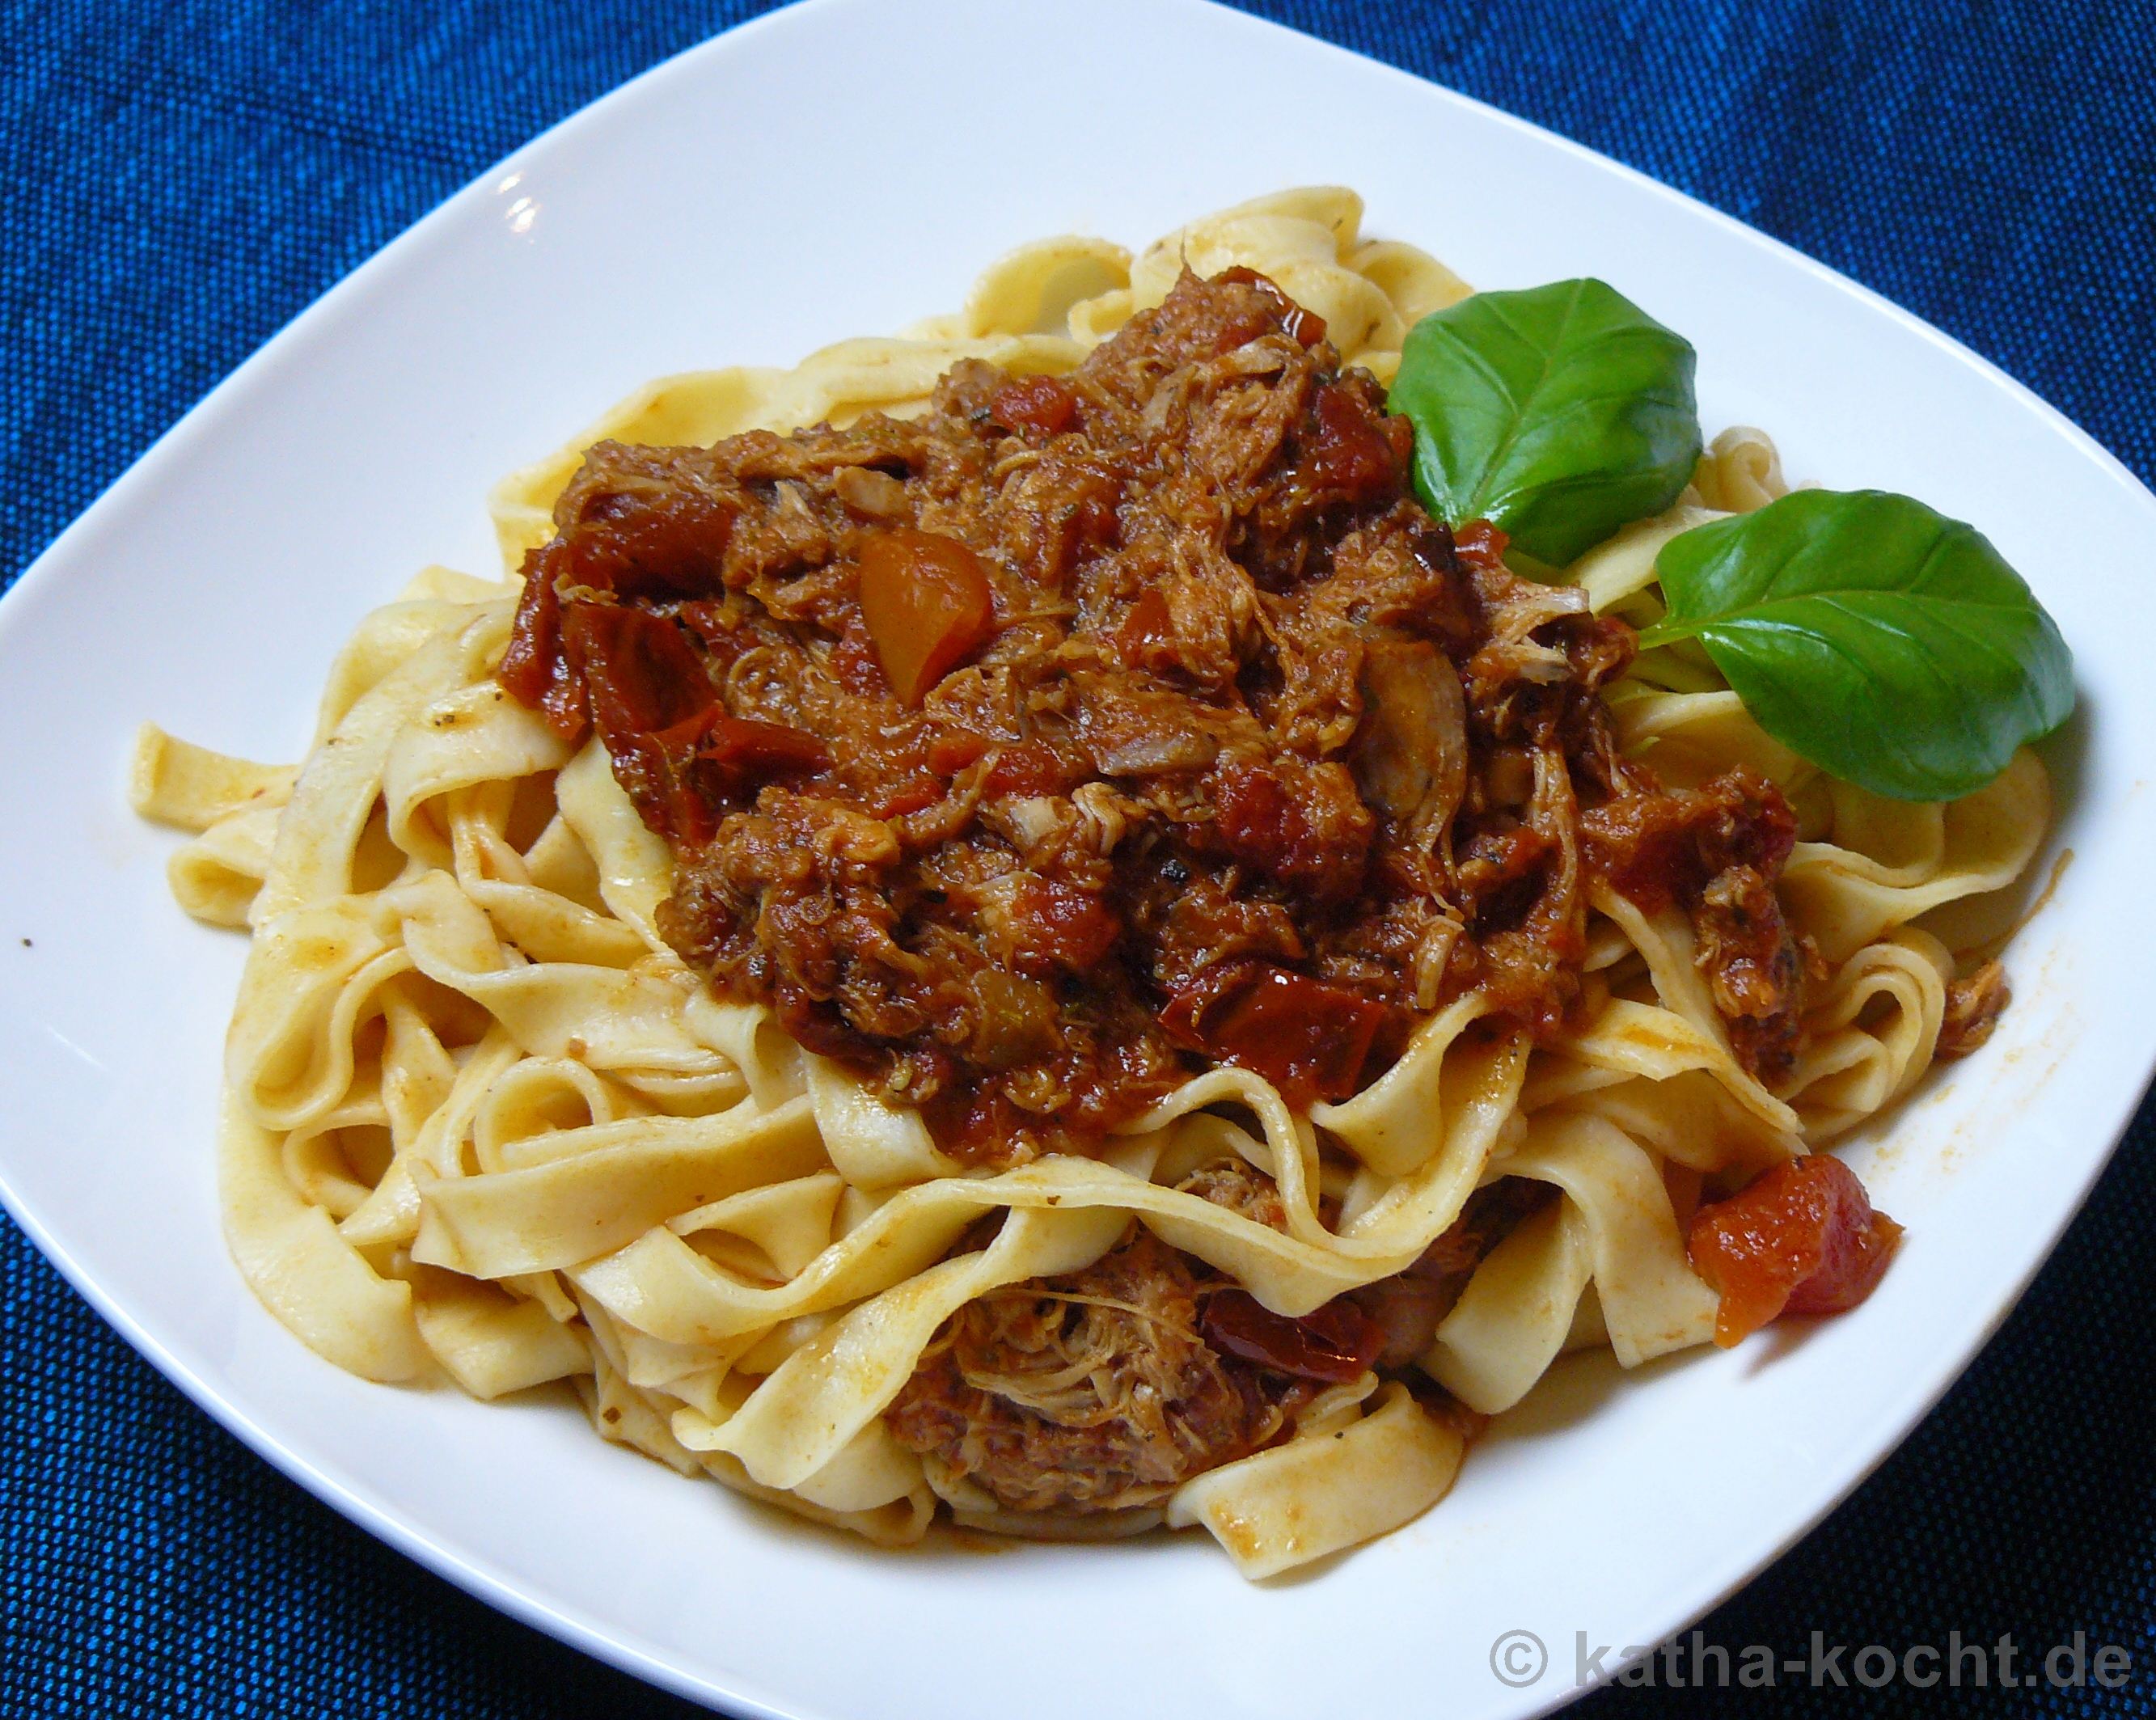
1889, 645
1559, 414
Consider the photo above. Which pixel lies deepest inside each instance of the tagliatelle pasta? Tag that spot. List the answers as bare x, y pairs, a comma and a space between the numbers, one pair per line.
482, 1120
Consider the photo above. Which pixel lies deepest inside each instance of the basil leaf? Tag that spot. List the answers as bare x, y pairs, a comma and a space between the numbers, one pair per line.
1889, 645
1559, 414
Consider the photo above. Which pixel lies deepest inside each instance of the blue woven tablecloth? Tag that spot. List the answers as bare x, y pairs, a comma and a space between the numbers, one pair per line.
177, 179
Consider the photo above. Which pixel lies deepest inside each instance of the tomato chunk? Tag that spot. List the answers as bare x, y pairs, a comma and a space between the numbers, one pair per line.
1031, 767
1334, 1343
908, 795
1478, 540
1060, 925
927, 601
1350, 459
1307, 1038
1040, 404
1146, 637
1289, 821
1803, 1239
953, 749
1021, 768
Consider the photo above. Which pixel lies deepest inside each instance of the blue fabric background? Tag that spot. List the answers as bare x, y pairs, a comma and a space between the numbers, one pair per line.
177, 179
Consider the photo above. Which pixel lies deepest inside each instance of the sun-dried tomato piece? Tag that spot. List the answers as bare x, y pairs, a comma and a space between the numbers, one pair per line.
643, 673
1333, 1344
759, 748
535, 668
1309, 1039
646, 540
659, 716
1306, 328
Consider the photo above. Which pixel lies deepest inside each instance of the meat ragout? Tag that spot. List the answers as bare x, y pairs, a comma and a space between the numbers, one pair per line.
1029, 756
1105, 1389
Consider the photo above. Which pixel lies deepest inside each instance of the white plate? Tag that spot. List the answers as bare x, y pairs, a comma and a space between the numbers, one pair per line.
842, 168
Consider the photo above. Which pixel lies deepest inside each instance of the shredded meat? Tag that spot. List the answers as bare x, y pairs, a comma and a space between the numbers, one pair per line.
1110, 1387
1027, 756
1093, 1391
1718, 850
1233, 1184
1974, 1003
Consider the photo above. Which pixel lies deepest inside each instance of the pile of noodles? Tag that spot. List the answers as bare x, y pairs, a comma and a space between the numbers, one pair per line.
480, 1119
